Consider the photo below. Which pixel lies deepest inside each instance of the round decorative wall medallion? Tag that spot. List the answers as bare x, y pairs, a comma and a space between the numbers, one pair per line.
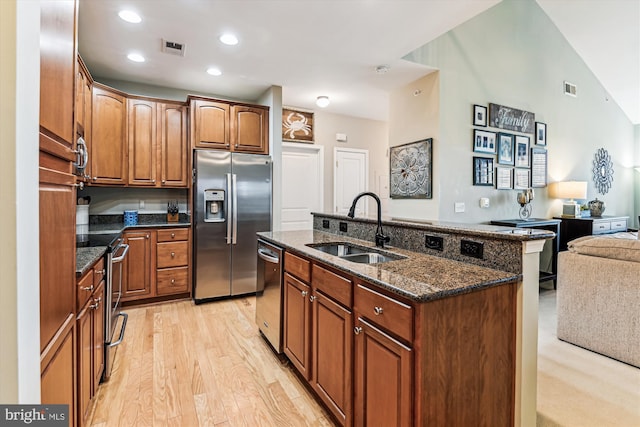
602, 171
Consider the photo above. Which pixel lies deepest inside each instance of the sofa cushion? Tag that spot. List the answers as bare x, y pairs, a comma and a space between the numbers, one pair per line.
622, 246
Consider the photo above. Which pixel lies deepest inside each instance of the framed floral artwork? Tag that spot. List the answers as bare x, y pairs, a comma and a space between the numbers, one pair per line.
410, 170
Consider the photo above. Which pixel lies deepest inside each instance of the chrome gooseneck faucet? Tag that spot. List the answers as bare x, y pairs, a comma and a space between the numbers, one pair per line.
381, 239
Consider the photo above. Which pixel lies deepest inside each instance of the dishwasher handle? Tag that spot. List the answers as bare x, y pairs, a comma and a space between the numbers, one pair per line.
268, 257
117, 259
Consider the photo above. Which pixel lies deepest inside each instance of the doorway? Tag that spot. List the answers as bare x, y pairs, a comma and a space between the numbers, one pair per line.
350, 177
302, 185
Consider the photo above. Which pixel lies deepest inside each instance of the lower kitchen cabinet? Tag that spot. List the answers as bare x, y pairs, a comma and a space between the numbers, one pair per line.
297, 334
57, 379
138, 266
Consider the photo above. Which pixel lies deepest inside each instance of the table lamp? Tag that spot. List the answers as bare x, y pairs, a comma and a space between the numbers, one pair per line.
569, 190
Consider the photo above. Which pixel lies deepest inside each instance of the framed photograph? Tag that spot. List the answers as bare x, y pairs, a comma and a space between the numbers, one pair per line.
505, 149
297, 126
483, 171
410, 170
521, 179
538, 167
541, 133
522, 151
479, 115
484, 141
504, 178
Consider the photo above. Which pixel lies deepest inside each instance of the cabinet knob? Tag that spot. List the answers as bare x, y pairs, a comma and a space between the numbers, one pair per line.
163, 181
173, 281
147, 236
173, 235
304, 293
153, 180
377, 310
312, 298
95, 178
88, 288
104, 271
173, 254
357, 330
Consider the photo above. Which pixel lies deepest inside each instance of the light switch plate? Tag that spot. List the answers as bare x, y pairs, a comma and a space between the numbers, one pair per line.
484, 202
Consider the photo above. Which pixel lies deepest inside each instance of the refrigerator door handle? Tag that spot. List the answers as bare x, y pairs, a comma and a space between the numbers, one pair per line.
235, 210
230, 190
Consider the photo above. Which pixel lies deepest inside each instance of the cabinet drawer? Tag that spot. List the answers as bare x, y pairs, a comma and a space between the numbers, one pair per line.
390, 314
99, 272
172, 254
173, 234
85, 289
172, 280
299, 267
601, 227
619, 225
333, 285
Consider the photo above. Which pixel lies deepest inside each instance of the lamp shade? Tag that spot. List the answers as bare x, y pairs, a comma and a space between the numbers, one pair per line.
568, 190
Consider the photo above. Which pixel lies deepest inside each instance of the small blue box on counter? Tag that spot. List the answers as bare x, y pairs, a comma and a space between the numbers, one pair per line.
130, 217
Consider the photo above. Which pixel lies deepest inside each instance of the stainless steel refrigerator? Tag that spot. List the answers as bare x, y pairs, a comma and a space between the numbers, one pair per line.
232, 202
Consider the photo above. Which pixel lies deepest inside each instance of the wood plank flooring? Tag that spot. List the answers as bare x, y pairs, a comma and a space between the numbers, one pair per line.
201, 365
188, 366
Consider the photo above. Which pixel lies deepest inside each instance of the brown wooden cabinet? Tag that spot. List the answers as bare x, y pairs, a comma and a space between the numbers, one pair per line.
250, 129
174, 146
109, 149
58, 367
297, 332
141, 129
139, 266
172, 259
210, 124
82, 112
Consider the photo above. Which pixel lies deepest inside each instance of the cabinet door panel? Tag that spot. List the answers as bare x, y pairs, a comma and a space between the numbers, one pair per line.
141, 125
383, 379
250, 129
172, 254
137, 265
297, 324
85, 362
98, 337
108, 142
174, 150
332, 355
210, 124
57, 379
172, 280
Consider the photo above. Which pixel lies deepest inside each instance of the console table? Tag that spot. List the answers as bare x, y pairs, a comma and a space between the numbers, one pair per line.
544, 224
572, 228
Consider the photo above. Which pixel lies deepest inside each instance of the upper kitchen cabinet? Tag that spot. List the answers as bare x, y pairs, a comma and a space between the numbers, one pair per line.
83, 102
209, 124
141, 126
108, 143
174, 149
227, 126
250, 129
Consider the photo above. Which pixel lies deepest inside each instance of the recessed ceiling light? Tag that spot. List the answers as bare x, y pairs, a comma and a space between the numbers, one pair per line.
135, 57
214, 71
229, 39
130, 16
322, 101
382, 69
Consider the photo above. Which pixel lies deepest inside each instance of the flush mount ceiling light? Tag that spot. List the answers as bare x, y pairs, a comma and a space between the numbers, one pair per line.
130, 16
135, 57
229, 39
322, 101
214, 71
382, 69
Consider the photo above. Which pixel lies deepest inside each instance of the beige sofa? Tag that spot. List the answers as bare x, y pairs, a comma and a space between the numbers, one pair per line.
598, 299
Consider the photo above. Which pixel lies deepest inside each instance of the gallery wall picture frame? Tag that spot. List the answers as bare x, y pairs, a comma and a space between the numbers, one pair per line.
483, 171
411, 168
521, 179
521, 151
297, 125
505, 149
538, 167
480, 115
504, 178
541, 133
484, 141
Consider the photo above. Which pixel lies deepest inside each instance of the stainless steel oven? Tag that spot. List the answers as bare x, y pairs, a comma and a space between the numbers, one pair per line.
114, 317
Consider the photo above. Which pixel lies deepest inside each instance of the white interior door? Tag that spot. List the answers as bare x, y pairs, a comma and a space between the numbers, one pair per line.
350, 177
302, 185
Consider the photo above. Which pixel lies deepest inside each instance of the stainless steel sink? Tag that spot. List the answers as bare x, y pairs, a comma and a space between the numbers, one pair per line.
361, 255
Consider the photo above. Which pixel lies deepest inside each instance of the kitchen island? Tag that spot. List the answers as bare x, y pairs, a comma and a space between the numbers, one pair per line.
424, 340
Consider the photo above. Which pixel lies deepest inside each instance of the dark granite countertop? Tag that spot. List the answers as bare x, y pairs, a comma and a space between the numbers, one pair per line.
86, 257
419, 277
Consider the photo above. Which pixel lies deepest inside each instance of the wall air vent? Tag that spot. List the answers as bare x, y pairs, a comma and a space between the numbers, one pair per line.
174, 48
570, 89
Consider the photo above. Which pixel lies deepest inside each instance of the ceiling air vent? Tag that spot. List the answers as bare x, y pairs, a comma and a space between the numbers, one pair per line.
570, 89
174, 48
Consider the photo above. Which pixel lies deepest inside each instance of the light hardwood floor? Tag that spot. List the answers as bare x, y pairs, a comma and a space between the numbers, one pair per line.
187, 365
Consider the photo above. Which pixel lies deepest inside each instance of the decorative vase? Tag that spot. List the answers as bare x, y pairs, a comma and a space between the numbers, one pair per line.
596, 207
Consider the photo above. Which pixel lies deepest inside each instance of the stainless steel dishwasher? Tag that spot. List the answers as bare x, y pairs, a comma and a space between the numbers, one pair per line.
269, 293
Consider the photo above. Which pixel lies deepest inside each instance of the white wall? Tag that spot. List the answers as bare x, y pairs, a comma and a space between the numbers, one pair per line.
513, 55
19, 262
273, 98
114, 201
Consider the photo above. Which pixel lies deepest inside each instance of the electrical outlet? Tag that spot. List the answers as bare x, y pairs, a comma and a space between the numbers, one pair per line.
484, 202
459, 207
141, 204
325, 223
434, 242
343, 226
471, 248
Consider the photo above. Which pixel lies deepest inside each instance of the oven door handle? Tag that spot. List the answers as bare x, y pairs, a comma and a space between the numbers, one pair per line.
125, 316
118, 259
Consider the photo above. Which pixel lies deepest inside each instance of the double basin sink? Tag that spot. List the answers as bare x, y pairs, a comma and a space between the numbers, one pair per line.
354, 253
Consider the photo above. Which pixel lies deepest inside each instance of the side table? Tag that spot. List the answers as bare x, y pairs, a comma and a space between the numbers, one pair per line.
572, 228
544, 224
